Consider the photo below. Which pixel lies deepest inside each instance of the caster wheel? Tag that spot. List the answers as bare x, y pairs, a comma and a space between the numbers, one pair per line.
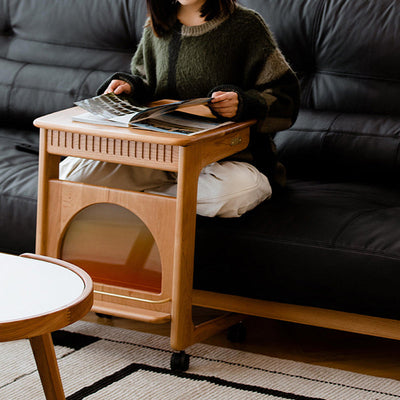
180, 361
237, 333
100, 315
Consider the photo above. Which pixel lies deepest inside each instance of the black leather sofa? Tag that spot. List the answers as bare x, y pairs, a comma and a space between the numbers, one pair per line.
329, 244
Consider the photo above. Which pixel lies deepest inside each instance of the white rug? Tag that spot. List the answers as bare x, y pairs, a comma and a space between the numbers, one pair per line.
100, 362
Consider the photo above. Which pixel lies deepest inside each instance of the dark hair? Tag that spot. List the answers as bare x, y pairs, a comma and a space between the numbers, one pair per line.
163, 13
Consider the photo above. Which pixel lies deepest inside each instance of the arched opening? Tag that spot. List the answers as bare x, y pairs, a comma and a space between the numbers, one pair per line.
114, 246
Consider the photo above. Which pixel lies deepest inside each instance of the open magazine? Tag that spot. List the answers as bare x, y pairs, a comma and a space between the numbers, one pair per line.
175, 117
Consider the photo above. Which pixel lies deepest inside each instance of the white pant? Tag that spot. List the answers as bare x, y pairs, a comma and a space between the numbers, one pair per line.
225, 189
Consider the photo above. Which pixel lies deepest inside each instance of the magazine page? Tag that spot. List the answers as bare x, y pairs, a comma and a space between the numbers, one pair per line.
170, 117
178, 122
154, 112
109, 106
121, 121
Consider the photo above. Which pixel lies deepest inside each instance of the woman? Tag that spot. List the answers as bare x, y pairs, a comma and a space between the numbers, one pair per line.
216, 48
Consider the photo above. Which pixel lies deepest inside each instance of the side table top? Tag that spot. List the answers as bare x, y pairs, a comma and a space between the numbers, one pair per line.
62, 120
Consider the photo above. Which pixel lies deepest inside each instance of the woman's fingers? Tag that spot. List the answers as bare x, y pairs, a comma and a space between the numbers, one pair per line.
118, 86
225, 103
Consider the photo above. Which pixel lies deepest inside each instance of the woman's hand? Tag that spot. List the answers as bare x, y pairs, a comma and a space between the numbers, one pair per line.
118, 86
225, 103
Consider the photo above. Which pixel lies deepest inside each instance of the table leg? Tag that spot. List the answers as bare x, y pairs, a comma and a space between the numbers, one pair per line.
45, 357
48, 169
182, 327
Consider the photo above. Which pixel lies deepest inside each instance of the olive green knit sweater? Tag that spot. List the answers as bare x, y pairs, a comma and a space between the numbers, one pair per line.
231, 53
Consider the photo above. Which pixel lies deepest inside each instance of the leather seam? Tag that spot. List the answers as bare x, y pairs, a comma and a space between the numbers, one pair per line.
329, 129
350, 133
8, 112
355, 76
78, 46
30, 199
330, 246
317, 22
307, 93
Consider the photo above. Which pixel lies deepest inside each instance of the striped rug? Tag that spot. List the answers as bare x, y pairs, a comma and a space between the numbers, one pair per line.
100, 362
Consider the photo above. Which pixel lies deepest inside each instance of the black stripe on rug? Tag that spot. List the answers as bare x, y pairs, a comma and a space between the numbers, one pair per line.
132, 368
72, 340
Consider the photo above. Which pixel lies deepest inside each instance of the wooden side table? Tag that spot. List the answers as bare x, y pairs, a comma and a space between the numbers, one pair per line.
170, 220
42, 295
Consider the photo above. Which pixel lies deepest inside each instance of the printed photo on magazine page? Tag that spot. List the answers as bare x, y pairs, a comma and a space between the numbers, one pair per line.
172, 117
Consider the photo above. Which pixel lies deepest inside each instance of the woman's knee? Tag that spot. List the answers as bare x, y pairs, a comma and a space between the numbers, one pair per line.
231, 188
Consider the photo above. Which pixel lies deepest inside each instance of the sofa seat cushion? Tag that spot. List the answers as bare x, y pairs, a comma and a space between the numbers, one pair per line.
18, 190
331, 245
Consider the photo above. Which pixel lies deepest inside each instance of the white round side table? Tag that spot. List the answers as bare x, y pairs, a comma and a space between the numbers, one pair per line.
39, 295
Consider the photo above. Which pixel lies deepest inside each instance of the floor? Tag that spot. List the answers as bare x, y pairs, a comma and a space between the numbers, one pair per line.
335, 349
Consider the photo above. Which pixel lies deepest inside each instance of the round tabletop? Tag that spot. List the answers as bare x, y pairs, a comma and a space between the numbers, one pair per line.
39, 295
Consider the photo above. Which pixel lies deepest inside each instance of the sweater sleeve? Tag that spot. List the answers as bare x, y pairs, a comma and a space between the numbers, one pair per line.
270, 91
275, 96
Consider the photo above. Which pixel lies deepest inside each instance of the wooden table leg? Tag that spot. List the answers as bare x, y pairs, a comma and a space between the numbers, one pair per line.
45, 357
48, 169
182, 328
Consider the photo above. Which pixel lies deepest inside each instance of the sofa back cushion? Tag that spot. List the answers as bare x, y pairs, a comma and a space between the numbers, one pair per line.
347, 56
55, 52
346, 53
